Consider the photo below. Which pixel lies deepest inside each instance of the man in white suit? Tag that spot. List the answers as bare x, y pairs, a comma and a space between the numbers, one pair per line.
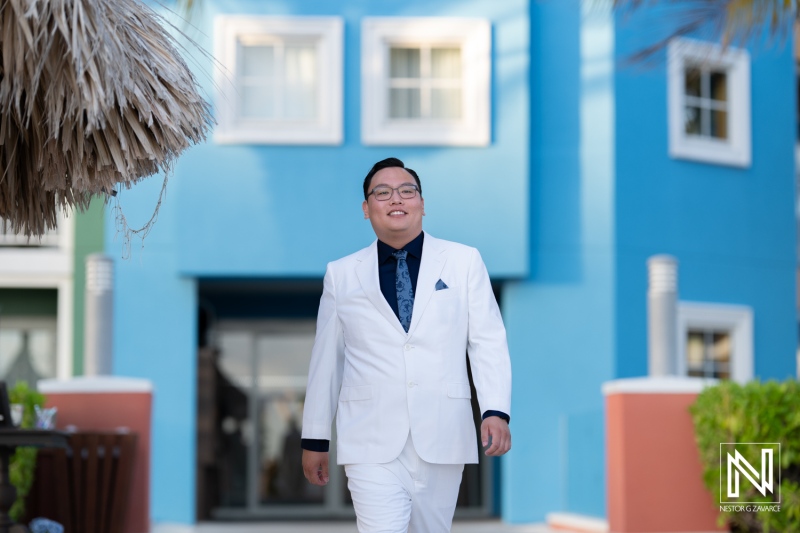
395, 320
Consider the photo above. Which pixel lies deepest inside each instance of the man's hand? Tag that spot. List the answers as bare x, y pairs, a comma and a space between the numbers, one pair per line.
315, 467
494, 427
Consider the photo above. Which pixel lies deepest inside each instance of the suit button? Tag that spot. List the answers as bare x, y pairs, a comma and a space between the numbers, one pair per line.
411, 384
408, 347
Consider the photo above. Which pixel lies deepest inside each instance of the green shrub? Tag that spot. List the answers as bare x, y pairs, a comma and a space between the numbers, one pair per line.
23, 463
756, 412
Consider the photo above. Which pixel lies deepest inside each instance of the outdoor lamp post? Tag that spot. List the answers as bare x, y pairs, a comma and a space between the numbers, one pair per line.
662, 316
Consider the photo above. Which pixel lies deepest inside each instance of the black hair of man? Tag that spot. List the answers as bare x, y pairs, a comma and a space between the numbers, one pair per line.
388, 163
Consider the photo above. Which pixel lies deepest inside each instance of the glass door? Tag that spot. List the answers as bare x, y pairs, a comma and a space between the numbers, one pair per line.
262, 372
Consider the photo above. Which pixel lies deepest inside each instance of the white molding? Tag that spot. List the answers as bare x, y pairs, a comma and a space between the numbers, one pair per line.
472, 35
94, 384
737, 149
40, 266
576, 523
20, 267
62, 237
738, 319
657, 385
168, 527
327, 129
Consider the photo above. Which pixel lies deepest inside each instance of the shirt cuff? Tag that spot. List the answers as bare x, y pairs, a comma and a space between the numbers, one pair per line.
315, 445
501, 414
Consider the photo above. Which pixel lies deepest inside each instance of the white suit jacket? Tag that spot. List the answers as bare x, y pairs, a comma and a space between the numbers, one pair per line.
381, 382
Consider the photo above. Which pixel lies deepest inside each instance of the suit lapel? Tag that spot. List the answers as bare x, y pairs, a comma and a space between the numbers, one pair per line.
367, 272
430, 269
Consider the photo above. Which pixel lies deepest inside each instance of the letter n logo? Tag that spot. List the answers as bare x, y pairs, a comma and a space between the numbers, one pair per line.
737, 467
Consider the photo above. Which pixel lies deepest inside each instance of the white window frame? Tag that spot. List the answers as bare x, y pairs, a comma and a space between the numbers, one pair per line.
48, 267
736, 319
736, 150
471, 35
65, 317
327, 129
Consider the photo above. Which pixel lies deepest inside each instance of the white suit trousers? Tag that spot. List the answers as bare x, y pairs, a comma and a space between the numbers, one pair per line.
404, 495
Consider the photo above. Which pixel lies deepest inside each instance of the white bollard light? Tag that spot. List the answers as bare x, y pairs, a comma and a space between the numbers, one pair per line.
662, 315
99, 317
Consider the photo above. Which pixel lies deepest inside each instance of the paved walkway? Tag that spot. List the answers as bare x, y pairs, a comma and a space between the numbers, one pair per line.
471, 526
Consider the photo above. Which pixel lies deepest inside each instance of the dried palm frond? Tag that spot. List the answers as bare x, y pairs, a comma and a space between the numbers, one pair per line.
732, 21
93, 93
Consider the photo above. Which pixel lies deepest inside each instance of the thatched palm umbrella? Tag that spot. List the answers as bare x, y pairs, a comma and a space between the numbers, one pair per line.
730, 21
93, 93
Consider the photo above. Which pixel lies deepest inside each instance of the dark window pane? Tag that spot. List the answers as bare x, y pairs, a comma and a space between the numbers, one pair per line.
233, 381
719, 124
446, 63
693, 78
692, 121
258, 61
446, 103
404, 62
708, 353
257, 101
300, 82
282, 362
719, 86
404, 103
694, 349
721, 350
280, 456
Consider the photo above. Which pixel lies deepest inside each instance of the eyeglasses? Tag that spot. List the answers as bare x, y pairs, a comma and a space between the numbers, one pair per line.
383, 192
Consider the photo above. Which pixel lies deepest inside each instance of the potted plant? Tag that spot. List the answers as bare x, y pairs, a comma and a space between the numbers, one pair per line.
23, 463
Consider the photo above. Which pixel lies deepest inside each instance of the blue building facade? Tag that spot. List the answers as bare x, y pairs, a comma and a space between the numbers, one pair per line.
569, 184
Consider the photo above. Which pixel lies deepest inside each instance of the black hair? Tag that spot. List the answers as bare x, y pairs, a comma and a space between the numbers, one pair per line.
388, 163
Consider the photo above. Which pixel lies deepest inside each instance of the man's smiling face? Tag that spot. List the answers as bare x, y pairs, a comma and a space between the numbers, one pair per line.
396, 220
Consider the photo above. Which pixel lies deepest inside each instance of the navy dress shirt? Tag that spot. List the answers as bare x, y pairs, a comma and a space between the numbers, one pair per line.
387, 273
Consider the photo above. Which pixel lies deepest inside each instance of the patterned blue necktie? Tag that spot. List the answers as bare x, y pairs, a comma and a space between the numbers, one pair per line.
405, 293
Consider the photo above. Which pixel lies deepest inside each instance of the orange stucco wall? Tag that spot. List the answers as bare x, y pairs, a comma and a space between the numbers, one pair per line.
654, 470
